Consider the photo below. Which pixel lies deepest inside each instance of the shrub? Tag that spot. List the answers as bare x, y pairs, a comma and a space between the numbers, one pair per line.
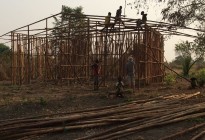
5, 62
42, 101
169, 79
201, 77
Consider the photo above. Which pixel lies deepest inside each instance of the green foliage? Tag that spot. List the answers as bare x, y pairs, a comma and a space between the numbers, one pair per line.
190, 53
179, 12
72, 20
144, 4
3, 49
201, 77
5, 59
184, 12
42, 101
128, 100
174, 65
186, 65
200, 120
178, 60
169, 79
185, 51
200, 64
129, 91
5, 53
67, 11
199, 45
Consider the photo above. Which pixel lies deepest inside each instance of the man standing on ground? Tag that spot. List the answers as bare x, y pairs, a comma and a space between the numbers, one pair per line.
130, 72
96, 72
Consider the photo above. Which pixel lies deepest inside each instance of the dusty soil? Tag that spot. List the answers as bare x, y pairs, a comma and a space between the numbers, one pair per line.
40, 99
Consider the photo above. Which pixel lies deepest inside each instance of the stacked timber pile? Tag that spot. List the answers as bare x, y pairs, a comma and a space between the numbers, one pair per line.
124, 119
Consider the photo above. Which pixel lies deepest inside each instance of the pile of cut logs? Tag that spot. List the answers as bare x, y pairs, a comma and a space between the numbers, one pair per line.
123, 119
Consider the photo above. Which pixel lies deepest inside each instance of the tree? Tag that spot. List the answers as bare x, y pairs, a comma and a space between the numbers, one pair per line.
3, 48
184, 51
185, 12
178, 59
71, 31
199, 45
71, 28
190, 53
5, 53
5, 62
71, 22
179, 12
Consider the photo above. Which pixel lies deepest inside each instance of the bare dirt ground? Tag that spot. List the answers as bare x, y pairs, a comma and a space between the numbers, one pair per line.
44, 99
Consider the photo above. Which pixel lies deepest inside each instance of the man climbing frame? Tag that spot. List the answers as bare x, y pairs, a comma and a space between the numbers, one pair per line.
144, 17
118, 17
107, 22
139, 22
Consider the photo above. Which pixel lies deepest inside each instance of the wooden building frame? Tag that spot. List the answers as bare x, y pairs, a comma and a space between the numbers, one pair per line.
38, 54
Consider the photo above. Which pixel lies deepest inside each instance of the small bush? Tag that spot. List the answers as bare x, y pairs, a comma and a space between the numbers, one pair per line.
129, 91
201, 77
42, 101
197, 120
169, 79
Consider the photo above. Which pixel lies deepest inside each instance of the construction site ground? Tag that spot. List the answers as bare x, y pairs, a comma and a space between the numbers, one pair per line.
38, 99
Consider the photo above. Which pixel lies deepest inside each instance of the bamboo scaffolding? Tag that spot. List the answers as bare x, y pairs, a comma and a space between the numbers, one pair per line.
68, 55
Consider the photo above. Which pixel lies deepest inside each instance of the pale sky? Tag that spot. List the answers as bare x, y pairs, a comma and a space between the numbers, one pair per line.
18, 13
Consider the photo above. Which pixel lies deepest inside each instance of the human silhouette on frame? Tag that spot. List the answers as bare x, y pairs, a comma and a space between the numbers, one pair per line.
118, 16
144, 17
139, 23
107, 22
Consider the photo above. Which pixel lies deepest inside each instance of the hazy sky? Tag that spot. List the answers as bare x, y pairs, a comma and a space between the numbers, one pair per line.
17, 13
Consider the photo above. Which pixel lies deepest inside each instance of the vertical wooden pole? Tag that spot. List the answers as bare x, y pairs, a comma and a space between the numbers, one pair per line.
138, 59
31, 56
162, 57
105, 57
146, 57
28, 58
12, 58
46, 53
88, 50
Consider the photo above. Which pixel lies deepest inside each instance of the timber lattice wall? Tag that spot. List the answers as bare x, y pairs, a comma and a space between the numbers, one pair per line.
68, 54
